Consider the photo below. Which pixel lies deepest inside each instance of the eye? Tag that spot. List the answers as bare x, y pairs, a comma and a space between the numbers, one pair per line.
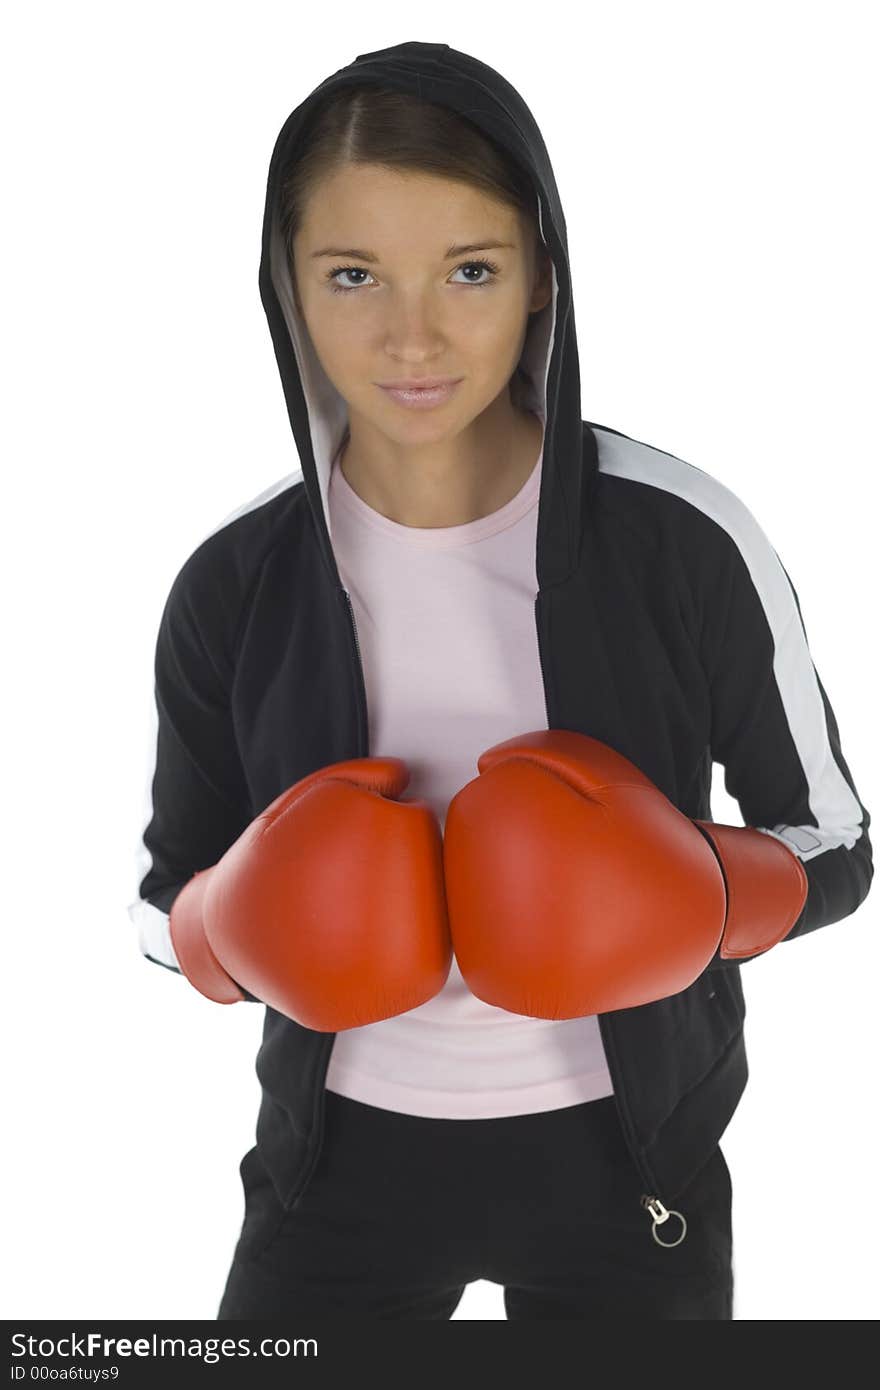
345, 270
488, 266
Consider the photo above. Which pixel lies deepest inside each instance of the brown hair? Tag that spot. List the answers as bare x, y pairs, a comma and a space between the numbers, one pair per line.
371, 124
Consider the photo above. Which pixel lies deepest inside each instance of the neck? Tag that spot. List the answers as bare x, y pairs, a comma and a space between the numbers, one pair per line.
445, 483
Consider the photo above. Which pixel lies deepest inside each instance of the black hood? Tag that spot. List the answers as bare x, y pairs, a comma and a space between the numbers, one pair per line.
318, 414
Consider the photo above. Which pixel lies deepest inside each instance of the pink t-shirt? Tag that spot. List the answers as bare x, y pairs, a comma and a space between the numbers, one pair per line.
446, 625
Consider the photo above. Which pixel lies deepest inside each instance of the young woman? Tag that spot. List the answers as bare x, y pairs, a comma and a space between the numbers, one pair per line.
437, 714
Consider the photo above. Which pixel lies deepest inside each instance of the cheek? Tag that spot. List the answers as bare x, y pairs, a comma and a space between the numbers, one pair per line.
494, 342
340, 344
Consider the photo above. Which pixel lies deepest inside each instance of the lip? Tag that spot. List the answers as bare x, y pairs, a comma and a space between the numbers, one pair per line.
421, 395
411, 383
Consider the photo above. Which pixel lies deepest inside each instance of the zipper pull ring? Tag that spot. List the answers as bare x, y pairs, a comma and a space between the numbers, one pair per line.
661, 1214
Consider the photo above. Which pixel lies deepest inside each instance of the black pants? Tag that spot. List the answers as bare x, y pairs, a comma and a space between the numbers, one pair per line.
403, 1211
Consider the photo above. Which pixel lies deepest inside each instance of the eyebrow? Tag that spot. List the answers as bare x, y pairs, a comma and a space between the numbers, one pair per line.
357, 254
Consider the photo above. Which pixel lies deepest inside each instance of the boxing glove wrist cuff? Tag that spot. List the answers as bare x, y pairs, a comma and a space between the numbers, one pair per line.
766, 888
191, 947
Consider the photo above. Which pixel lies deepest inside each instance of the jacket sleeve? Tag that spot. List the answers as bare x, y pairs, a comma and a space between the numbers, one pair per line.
772, 725
196, 792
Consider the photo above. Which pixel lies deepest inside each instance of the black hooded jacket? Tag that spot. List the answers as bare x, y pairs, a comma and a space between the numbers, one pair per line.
667, 628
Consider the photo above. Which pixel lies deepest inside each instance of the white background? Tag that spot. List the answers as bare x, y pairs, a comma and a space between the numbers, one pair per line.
714, 163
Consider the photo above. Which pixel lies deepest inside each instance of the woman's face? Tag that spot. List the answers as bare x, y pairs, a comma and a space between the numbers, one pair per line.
385, 297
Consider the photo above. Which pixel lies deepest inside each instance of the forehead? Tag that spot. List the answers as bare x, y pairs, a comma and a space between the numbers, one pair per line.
372, 204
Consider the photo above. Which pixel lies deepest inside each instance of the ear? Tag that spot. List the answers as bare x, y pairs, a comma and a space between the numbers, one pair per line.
542, 290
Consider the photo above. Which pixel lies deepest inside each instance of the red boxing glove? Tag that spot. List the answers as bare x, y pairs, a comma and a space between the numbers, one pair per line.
766, 885
330, 907
574, 886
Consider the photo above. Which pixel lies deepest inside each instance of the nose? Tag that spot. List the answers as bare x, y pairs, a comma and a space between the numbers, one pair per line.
412, 328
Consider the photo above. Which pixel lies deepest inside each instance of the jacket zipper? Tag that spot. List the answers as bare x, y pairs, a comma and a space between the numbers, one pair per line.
324, 1063
362, 689
649, 1200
